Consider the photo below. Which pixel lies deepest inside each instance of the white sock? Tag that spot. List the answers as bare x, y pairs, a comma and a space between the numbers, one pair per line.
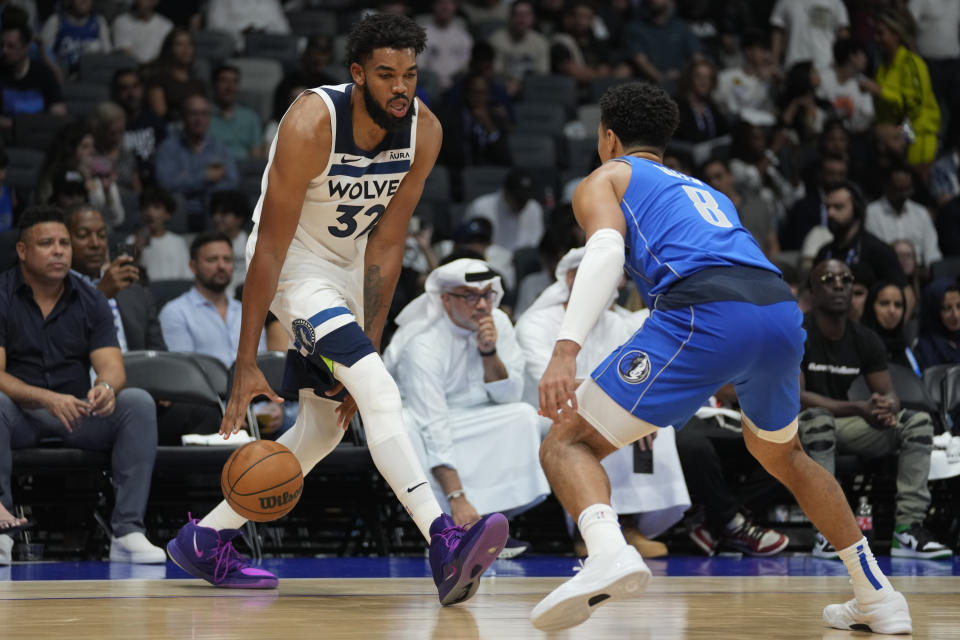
600, 529
314, 435
869, 583
398, 463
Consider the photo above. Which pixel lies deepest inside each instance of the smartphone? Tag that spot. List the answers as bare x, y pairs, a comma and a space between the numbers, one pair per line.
642, 460
126, 249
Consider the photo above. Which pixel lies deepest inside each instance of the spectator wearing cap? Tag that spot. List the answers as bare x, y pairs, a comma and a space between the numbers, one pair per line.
69, 189
474, 237
513, 211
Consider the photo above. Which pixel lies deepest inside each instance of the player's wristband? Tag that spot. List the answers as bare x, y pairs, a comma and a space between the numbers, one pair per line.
455, 494
487, 354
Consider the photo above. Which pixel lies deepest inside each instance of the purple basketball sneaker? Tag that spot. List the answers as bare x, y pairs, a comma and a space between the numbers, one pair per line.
459, 556
208, 554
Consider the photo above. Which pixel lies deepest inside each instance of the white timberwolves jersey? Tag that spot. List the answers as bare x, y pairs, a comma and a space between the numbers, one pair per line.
345, 202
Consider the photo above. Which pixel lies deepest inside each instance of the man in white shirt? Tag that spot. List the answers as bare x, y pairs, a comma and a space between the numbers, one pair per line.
238, 17
448, 43
460, 371
842, 85
895, 216
938, 22
748, 86
654, 499
140, 32
163, 253
514, 212
519, 49
806, 30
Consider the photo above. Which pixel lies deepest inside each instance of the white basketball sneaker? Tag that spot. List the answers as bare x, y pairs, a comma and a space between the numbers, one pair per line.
617, 576
890, 615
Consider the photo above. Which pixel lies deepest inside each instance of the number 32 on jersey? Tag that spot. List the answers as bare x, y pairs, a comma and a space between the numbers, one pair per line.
347, 222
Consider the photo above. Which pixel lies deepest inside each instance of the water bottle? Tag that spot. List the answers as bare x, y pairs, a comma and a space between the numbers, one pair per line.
865, 517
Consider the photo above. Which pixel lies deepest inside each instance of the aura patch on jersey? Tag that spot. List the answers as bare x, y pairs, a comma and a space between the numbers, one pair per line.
634, 367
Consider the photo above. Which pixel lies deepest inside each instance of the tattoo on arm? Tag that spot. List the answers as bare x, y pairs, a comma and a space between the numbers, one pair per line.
372, 295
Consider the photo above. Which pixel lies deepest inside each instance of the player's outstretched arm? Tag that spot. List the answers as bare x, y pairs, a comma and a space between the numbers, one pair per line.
384, 254
303, 146
596, 204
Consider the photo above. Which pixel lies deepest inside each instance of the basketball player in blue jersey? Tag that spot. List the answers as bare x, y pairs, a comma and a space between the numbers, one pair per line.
343, 177
720, 313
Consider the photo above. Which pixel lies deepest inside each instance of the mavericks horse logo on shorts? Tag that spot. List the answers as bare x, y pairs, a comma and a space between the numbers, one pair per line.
304, 335
634, 367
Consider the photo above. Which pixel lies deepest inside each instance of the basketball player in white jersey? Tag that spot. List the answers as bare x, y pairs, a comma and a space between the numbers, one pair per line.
344, 175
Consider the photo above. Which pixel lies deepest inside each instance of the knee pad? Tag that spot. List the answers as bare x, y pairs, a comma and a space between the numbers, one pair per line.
376, 395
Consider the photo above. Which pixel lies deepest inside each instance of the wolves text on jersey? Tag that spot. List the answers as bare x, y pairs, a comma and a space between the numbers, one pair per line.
366, 190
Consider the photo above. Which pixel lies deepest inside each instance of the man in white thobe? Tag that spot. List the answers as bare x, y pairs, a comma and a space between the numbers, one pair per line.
657, 500
460, 371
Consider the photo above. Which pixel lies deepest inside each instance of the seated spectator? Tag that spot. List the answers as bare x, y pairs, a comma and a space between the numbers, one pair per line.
896, 216
748, 86
513, 210
902, 93
852, 243
76, 30
884, 313
56, 327
863, 281
577, 51
139, 32
456, 360
948, 227
478, 11
519, 48
474, 239
240, 17
69, 190
193, 164
171, 79
806, 30
700, 118
313, 71
229, 212
6, 194
836, 352
842, 85
660, 43
73, 149
475, 130
236, 126
756, 214
26, 86
205, 319
145, 130
806, 224
108, 123
549, 252
448, 43
648, 503
163, 253
756, 168
801, 110
939, 339
907, 257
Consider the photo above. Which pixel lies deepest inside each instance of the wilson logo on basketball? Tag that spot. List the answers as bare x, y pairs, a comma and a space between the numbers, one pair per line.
272, 502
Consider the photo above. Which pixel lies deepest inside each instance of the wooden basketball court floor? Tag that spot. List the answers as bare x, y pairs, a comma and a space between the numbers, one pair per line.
715, 598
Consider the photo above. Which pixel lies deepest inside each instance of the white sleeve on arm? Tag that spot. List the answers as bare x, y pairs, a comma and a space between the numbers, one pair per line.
597, 278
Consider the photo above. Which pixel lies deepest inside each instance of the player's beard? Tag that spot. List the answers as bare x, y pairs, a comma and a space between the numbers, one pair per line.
381, 117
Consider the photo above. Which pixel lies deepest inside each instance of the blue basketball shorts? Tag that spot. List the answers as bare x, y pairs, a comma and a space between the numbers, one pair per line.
680, 357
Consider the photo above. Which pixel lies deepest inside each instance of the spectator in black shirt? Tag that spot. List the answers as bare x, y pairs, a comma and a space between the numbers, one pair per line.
53, 328
145, 129
700, 117
851, 243
837, 351
26, 85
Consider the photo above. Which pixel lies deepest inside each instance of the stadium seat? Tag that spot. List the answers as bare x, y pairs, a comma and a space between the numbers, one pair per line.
532, 151
98, 68
37, 130
555, 89
946, 268
274, 46
313, 22
481, 180
215, 46
163, 291
544, 118
82, 98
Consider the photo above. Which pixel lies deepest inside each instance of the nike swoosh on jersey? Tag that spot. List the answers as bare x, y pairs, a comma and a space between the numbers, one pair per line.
347, 159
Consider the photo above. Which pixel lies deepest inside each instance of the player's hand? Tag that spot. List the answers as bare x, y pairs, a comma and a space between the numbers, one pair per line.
646, 442
248, 383
347, 408
67, 409
486, 335
558, 386
121, 273
463, 512
101, 401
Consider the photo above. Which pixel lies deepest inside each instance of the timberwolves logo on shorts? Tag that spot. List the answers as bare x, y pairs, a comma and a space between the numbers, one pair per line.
634, 367
304, 336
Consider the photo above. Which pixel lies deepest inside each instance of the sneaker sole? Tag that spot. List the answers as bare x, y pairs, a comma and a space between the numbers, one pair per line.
897, 625
183, 561
578, 609
512, 552
486, 548
900, 552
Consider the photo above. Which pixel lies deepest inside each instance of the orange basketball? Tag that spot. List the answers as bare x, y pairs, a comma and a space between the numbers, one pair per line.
262, 480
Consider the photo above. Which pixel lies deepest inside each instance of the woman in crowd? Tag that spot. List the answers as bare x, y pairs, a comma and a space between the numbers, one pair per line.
171, 78
939, 341
884, 312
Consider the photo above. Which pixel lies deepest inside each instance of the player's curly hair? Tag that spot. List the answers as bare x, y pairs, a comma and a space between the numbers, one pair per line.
383, 30
640, 113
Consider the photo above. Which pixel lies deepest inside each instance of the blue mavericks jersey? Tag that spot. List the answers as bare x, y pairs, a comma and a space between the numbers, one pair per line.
677, 226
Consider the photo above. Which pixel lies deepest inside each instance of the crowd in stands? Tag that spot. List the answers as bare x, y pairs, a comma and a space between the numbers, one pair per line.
832, 125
